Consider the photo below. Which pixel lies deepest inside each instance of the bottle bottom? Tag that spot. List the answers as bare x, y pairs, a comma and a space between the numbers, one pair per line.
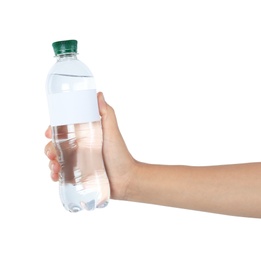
89, 206
76, 198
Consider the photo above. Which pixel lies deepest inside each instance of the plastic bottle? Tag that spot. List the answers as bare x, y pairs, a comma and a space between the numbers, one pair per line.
76, 131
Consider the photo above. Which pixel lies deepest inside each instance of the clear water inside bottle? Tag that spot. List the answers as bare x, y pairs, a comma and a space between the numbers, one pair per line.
83, 181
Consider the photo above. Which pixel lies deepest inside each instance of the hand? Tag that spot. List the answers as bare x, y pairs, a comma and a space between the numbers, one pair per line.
119, 164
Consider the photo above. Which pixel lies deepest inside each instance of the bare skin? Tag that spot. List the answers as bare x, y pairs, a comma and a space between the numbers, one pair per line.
224, 189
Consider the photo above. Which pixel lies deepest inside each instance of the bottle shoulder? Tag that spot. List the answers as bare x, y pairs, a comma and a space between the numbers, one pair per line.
71, 67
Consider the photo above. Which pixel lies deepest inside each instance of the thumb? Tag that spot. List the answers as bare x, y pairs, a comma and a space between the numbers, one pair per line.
108, 118
102, 104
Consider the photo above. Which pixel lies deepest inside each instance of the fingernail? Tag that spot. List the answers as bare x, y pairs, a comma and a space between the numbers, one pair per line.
52, 175
103, 97
52, 167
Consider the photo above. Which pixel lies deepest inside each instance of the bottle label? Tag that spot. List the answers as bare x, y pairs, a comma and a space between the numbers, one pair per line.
73, 107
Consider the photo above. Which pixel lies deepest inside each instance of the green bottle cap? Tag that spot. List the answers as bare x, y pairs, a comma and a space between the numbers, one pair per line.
63, 47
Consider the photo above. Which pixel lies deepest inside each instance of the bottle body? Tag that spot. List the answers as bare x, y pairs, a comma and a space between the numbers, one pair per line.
77, 135
83, 182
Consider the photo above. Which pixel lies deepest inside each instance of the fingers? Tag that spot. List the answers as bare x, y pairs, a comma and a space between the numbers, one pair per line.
55, 169
49, 150
48, 132
53, 164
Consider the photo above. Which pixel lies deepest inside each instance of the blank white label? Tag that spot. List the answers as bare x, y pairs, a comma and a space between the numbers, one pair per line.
73, 107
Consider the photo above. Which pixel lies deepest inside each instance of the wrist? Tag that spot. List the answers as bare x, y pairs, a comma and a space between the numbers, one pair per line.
134, 186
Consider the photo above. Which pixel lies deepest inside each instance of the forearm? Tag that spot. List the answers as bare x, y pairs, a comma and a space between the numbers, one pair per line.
226, 189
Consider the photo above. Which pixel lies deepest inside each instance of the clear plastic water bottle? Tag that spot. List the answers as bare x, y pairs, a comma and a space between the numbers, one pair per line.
76, 131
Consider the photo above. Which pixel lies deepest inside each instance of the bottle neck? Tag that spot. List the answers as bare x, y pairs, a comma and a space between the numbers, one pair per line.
67, 56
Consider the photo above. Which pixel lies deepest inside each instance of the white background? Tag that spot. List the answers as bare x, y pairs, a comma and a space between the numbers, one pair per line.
184, 80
